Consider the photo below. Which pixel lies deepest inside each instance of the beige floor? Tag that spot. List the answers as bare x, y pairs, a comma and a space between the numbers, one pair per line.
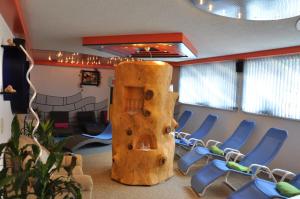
98, 166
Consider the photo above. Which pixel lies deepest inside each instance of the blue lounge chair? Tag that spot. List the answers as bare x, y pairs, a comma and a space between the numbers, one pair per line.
238, 139
189, 141
185, 116
261, 155
262, 189
77, 141
106, 135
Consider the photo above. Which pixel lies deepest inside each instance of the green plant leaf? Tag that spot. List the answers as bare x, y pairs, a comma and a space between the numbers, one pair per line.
2, 146
36, 151
5, 181
15, 129
4, 178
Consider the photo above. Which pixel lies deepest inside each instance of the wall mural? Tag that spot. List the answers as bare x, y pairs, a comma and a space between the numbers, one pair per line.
44, 104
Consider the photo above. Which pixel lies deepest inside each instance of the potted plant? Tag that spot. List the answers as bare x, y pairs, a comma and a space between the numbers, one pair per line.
25, 176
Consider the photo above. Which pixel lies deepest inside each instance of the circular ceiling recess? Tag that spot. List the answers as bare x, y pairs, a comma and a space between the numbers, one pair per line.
251, 9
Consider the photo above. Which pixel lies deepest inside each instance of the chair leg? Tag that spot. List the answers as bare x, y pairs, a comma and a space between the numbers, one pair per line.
206, 176
208, 159
200, 194
226, 182
183, 173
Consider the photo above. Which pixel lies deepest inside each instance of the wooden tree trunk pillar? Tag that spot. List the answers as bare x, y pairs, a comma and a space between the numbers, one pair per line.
142, 121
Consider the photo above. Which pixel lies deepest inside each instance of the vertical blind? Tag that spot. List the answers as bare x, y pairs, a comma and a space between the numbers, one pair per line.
211, 84
271, 86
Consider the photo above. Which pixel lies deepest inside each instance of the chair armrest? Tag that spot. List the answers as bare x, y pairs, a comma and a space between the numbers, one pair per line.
227, 150
284, 172
182, 134
85, 182
196, 142
261, 168
212, 142
233, 154
173, 133
68, 159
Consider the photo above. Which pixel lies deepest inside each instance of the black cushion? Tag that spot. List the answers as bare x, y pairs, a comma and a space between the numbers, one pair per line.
93, 128
59, 116
86, 117
65, 132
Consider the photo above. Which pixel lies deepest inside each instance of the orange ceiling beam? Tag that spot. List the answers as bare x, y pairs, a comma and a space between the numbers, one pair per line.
176, 37
12, 12
242, 56
58, 64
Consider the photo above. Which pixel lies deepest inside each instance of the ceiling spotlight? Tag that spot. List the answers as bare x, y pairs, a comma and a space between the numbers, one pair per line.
210, 7
239, 15
147, 48
298, 25
201, 2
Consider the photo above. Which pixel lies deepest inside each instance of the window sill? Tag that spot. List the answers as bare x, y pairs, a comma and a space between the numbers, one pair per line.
235, 109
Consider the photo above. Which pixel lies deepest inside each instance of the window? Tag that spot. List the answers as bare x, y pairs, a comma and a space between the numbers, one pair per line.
210, 84
271, 86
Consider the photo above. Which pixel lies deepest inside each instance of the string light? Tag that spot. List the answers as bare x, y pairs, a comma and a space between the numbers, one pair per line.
76, 58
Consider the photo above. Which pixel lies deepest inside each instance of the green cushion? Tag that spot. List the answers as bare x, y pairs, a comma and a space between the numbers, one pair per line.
216, 150
237, 167
287, 190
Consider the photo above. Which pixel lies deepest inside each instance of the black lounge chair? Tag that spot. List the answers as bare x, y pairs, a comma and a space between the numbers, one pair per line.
62, 127
88, 124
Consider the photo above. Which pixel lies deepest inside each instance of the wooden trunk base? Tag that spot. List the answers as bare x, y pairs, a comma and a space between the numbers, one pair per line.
142, 122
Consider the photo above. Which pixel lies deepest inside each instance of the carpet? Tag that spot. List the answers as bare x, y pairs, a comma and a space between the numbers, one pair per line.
97, 163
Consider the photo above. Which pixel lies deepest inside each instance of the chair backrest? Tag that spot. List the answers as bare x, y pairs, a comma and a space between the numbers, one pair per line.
185, 116
205, 127
267, 148
107, 130
240, 136
59, 116
86, 117
105, 135
296, 181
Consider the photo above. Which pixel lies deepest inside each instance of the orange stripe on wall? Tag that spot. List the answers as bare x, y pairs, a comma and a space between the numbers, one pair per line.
243, 56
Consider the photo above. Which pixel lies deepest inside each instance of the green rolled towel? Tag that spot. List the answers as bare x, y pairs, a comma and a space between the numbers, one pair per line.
237, 167
287, 190
216, 150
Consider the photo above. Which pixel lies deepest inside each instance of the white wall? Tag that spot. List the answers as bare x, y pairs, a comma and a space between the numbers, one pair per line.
5, 111
64, 81
289, 156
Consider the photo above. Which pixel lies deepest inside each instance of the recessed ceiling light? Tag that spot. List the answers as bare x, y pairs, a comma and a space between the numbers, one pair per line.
251, 9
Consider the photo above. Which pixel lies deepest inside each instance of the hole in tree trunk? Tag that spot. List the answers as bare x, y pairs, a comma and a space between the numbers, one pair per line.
146, 142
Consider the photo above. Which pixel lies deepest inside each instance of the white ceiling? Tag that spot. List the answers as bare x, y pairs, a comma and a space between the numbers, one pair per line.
60, 24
